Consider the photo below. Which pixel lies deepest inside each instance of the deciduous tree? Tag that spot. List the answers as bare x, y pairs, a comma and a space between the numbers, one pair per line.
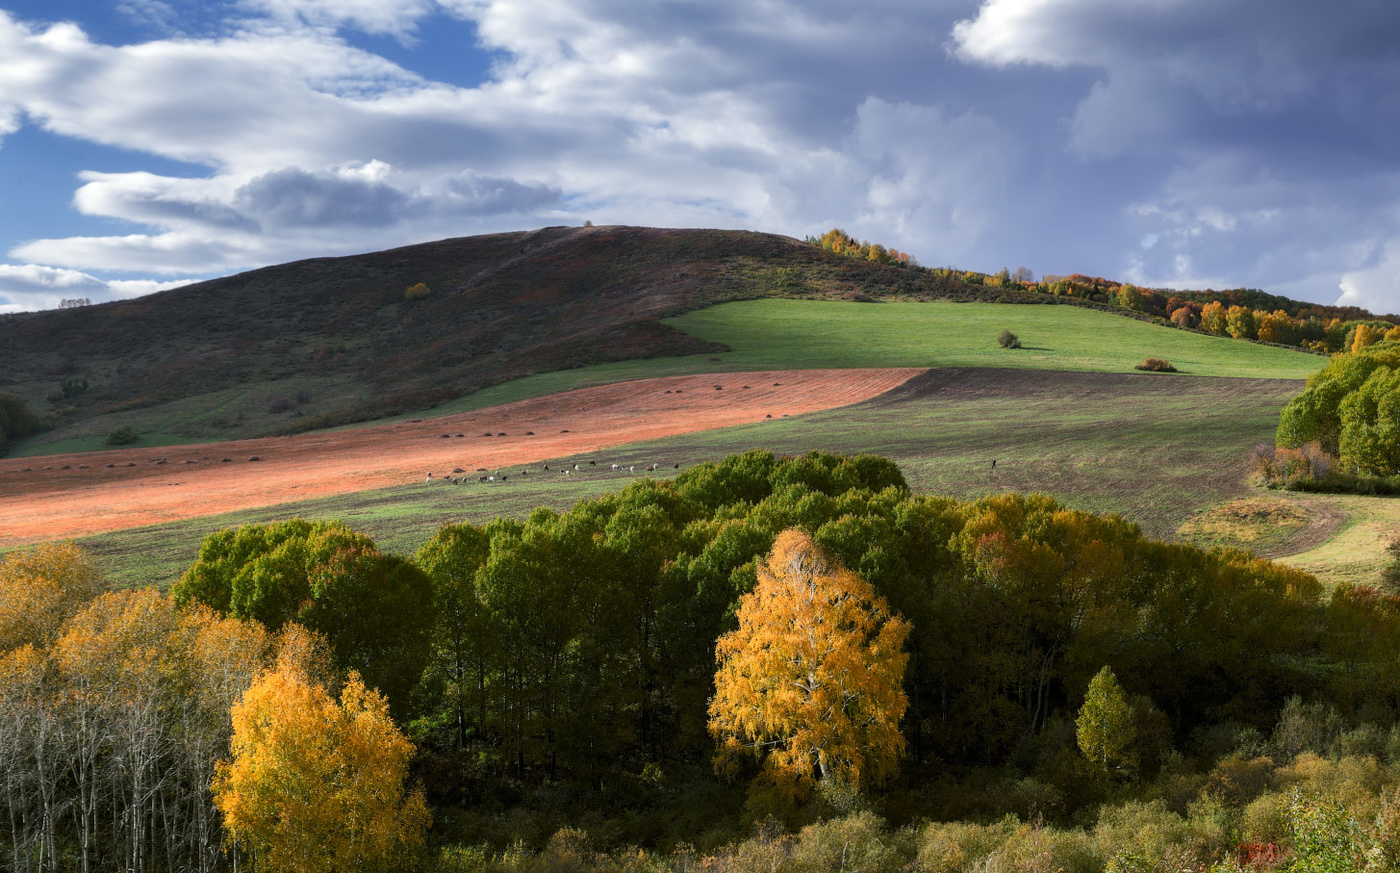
1105, 728
316, 784
813, 676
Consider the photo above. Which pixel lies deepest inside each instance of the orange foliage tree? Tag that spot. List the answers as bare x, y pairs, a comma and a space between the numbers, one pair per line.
814, 673
316, 784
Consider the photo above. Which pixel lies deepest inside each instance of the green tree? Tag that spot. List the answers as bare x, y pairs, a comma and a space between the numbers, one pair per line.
1370, 417
1106, 727
375, 608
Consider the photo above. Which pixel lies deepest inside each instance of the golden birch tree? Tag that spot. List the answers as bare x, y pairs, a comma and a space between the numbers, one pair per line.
317, 784
813, 676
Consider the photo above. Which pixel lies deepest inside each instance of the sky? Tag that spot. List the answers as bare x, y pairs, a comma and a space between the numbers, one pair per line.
1170, 143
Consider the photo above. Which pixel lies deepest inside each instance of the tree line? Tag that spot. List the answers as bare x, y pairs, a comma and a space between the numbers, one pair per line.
580, 649
1241, 313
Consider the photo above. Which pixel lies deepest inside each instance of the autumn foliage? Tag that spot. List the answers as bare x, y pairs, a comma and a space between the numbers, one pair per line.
317, 784
813, 676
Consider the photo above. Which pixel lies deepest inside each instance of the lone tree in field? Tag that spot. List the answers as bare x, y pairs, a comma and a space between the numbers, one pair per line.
1105, 727
1008, 340
814, 673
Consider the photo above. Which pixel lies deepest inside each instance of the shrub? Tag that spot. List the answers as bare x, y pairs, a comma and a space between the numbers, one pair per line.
416, 292
1156, 365
16, 419
1390, 576
1008, 340
280, 404
122, 436
1290, 467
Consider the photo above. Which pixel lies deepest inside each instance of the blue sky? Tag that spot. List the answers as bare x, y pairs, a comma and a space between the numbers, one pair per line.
1177, 143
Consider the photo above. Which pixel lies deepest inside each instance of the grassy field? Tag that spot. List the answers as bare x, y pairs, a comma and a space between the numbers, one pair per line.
1356, 553
1158, 450
774, 334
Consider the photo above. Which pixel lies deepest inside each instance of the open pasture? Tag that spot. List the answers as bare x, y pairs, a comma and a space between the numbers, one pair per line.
1156, 450
781, 334
72, 495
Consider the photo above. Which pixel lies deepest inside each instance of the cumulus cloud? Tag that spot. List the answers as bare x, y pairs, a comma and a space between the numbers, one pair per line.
1374, 287
1056, 133
26, 287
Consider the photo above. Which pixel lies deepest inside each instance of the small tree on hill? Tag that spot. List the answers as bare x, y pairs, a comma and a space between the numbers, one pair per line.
814, 674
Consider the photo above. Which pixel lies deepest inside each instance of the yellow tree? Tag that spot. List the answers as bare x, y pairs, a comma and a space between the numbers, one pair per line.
315, 784
40, 588
1213, 317
814, 673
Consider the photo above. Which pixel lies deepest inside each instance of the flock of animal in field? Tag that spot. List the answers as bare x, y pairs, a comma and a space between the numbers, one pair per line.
459, 476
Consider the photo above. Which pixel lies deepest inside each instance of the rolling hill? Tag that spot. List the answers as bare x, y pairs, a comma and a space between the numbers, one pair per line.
334, 340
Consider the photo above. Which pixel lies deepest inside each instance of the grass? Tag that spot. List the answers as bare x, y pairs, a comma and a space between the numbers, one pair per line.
779, 334
791, 334
1356, 553
776, 334
1158, 451
1263, 524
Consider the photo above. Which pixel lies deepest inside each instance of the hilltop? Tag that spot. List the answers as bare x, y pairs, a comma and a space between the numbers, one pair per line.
333, 340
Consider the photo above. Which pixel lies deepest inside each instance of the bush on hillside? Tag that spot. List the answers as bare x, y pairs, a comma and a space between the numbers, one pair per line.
16, 420
1156, 365
1008, 340
122, 436
1390, 576
417, 291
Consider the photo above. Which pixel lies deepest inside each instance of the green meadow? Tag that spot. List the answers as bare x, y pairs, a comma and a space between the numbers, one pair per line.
775, 334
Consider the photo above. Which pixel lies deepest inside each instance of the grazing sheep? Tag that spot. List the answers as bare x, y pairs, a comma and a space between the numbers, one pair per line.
546, 466
576, 468
675, 466
592, 463
429, 480
616, 467
490, 478
481, 478
632, 469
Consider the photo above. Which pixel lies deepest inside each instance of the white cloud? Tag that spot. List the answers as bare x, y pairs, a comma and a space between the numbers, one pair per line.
25, 287
1377, 287
1060, 133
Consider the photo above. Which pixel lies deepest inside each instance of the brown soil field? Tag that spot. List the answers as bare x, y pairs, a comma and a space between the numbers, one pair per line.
62, 496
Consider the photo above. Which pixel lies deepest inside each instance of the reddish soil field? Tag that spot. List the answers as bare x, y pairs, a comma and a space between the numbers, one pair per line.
61, 496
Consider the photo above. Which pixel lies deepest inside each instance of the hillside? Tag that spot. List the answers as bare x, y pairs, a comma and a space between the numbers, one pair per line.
332, 340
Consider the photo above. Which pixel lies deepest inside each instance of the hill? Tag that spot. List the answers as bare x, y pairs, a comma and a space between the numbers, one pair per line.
333, 340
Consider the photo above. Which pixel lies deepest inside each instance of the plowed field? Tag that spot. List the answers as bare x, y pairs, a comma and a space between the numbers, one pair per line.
61, 496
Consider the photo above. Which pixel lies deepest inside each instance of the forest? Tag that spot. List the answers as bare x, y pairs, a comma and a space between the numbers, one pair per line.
603, 688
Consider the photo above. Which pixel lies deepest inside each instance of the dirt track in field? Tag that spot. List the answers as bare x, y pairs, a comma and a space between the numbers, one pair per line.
62, 496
